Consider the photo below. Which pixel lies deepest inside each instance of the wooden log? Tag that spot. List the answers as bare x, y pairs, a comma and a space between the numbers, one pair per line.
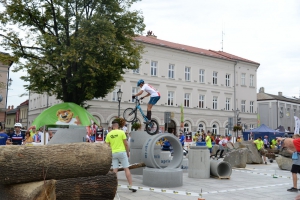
29, 191
21, 164
133, 166
89, 188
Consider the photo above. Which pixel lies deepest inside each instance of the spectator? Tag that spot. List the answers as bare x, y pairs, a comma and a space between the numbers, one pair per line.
120, 151
195, 138
36, 137
166, 146
208, 142
218, 139
273, 144
4, 139
32, 130
181, 138
28, 138
41, 131
266, 142
94, 128
239, 139
50, 135
260, 147
295, 169
17, 137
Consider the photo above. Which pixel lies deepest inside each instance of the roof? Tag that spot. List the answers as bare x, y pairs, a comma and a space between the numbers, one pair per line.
24, 103
12, 111
186, 48
265, 96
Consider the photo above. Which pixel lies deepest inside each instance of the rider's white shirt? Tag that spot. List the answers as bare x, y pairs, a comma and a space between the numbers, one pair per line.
151, 90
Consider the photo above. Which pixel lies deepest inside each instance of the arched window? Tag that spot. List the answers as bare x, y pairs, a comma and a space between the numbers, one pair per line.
201, 127
226, 130
215, 129
187, 127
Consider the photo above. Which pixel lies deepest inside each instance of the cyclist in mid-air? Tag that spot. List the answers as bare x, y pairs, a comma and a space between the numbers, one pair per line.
152, 92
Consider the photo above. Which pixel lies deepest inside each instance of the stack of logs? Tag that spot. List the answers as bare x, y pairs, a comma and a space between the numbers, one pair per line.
62, 171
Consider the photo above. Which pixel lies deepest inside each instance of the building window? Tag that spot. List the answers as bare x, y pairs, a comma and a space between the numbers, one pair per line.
251, 126
201, 127
187, 73
201, 101
215, 129
251, 106
251, 80
170, 98
227, 104
294, 112
227, 80
243, 106
226, 130
134, 91
153, 68
201, 75
186, 127
171, 71
215, 103
243, 79
136, 71
114, 94
186, 100
215, 78
288, 112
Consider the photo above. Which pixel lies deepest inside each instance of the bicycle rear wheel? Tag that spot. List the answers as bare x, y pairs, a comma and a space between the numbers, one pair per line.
152, 127
129, 114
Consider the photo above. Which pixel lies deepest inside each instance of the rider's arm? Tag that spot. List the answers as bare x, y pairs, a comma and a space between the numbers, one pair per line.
139, 93
147, 95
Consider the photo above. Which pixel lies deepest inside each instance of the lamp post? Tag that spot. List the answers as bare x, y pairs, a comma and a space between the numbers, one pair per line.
119, 93
237, 123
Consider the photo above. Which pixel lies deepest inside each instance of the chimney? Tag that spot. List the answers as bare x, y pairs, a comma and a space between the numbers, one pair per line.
279, 93
262, 90
151, 34
12, 107
8, 108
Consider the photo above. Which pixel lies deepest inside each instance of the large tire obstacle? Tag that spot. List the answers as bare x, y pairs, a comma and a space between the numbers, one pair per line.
64, 171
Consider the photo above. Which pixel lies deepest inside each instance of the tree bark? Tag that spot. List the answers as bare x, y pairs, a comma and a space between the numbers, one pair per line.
42, 190
89, 188
21, 164
102, 187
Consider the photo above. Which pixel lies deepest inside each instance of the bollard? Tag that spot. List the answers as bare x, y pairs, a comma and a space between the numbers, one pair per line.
199, 165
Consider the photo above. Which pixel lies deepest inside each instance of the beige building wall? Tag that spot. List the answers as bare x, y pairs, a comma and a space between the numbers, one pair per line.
107, 108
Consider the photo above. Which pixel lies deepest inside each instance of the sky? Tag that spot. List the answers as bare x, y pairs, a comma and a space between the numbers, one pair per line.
264, 31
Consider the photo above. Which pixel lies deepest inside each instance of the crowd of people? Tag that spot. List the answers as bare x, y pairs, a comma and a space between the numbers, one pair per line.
17, 136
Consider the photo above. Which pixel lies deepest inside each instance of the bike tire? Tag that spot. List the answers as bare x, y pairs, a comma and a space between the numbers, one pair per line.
129, 115
152, 127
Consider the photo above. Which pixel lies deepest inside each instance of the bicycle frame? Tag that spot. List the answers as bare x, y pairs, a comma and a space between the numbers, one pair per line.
140, 109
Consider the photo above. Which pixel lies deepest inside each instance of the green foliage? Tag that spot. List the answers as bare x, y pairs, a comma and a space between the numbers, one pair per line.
136, 126
237, 128
76, 50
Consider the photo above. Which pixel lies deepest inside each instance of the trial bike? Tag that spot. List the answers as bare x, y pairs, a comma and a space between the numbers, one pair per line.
130, 115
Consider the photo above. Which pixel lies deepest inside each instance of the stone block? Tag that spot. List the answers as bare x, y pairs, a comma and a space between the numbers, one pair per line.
253, 156
237, 158
284, 152
214, 149
284, 162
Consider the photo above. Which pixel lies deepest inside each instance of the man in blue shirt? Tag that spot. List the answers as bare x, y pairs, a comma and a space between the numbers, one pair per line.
181, 138
3, 137
17, 137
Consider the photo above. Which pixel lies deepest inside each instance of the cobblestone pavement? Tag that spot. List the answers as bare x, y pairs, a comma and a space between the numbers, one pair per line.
253, 182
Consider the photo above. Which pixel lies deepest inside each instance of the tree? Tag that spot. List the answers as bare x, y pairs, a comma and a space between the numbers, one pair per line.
76, 50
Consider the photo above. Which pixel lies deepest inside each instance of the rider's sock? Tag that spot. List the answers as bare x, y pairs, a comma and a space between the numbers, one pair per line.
149, 114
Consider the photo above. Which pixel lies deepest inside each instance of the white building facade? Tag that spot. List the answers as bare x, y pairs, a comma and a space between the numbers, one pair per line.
210, 85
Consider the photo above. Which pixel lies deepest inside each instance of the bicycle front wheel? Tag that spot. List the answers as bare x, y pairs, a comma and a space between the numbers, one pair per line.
152, 127
129, 114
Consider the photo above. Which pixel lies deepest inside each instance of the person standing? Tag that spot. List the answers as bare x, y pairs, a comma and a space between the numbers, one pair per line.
17, 137
295, 169
266, 142
181, 139
260, 147
4, 139
208, 142
116, 139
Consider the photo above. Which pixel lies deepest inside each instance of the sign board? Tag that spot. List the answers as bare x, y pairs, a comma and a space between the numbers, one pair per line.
99, 135
189, 137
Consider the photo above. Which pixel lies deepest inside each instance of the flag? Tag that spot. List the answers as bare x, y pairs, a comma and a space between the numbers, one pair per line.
258, 120
297, 125
181, 117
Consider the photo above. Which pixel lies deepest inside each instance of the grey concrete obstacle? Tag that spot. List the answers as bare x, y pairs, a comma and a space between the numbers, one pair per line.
220, 169
138, 138
64, 136
163, 178
199, 162
148, 151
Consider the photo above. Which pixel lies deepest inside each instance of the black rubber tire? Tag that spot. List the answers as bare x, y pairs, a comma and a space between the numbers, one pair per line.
127, 116
154, 127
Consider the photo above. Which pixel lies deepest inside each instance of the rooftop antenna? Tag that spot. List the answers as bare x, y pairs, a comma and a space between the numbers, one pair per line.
222, 40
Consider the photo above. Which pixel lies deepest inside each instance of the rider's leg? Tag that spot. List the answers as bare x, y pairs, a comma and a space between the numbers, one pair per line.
149, 107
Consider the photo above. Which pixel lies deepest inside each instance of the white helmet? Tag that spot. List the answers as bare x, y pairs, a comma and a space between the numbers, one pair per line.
18, 125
